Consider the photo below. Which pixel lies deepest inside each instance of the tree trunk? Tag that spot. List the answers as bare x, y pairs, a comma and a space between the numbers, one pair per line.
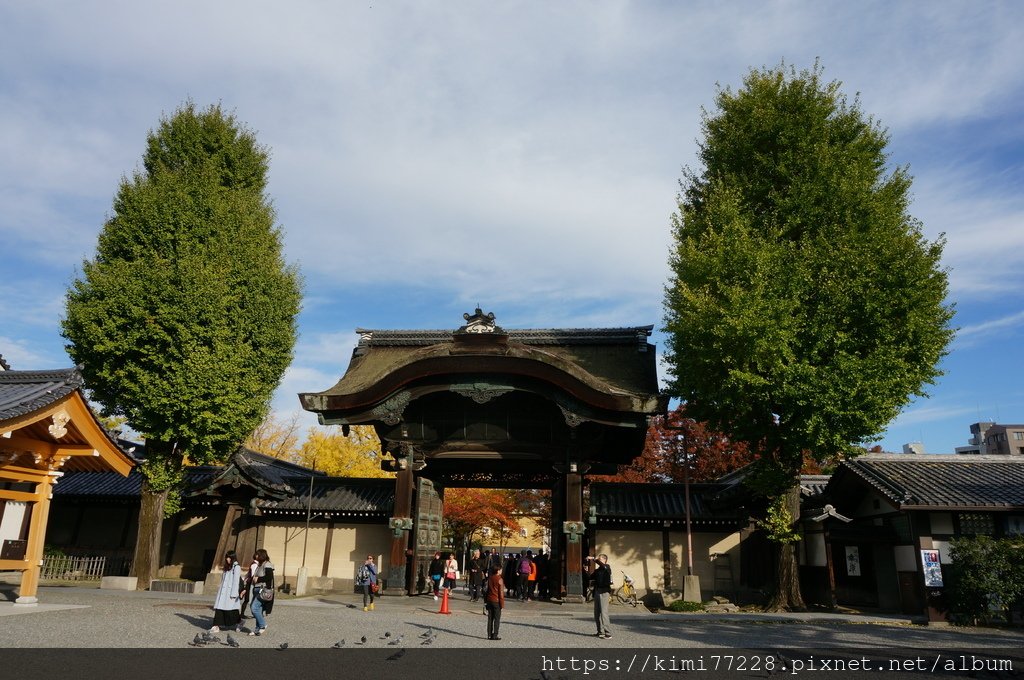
787, 595
147, 543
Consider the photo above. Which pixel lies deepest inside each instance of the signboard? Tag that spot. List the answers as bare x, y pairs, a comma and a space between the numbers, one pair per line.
932, 568
13, 550
853, 560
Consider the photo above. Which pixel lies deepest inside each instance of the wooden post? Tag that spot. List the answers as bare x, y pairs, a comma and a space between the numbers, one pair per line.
36, 539
574, 548
227, 540
404, 484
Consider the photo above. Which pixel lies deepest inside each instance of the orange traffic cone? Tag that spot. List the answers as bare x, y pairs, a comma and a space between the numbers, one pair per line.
444, 603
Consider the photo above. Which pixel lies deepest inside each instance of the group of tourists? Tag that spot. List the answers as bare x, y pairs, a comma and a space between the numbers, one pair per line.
253, 586
526, 576
489, 576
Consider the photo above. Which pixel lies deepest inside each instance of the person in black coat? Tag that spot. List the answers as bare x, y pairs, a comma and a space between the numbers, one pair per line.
435, 572
601, 578
477, 568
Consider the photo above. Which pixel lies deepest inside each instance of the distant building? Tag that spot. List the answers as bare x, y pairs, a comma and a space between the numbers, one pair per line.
914, 447
976, 444
1002, 440
992, 439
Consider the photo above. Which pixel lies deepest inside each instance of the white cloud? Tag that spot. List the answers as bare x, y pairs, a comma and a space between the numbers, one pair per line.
975, 333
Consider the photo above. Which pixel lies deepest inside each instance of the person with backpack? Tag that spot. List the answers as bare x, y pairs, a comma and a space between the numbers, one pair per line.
525, 568
367, 578
436, 571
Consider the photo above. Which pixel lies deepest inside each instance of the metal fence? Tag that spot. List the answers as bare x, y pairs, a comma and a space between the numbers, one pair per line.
79, 568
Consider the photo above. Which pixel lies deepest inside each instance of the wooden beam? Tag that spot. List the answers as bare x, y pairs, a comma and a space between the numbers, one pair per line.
20, 474
18, 496
27, 444
86, 423
13, 565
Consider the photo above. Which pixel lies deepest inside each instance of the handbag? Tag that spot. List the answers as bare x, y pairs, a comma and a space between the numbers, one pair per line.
267, 594
375, 587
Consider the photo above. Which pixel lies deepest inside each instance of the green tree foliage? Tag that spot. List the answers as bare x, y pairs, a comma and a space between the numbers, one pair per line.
805, 306
987, 576
184, 320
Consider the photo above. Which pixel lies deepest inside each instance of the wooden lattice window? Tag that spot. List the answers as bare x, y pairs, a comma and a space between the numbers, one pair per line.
976, 523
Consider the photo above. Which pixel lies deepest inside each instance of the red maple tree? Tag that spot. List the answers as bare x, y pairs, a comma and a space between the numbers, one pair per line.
674, 441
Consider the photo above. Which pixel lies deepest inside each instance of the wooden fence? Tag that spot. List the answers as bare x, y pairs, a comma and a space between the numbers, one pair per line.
76, 568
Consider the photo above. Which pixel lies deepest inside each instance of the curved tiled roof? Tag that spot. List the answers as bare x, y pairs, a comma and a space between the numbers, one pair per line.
99, 485
338, 495
24, 392
659, 503
351, 496
947, 481
612, 368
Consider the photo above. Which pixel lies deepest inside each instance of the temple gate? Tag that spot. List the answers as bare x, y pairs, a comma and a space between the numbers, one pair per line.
484, 407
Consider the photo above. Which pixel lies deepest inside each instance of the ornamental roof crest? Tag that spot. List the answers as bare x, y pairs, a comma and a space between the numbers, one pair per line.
478, 322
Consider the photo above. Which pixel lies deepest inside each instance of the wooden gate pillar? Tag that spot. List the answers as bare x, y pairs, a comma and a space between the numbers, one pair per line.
36, 539
573, 529
401, 524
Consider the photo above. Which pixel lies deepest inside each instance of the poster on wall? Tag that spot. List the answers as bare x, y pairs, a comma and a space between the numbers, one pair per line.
932, 568
853, 560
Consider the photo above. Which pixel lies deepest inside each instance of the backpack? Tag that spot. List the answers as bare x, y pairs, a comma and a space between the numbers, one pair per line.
364, 574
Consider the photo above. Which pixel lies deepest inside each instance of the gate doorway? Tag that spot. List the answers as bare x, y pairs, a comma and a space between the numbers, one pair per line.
482, 407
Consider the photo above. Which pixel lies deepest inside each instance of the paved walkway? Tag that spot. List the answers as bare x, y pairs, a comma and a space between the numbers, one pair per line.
109, 634
89, 617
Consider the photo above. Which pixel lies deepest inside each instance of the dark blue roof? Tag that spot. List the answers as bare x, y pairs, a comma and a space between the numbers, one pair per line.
287, 482
660, 502
940, 481
23, 392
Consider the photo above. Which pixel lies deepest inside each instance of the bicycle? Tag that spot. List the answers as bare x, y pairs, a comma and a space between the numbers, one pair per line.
626, 594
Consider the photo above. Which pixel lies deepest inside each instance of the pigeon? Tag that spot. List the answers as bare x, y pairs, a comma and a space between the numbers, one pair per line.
232, 642
339, 644
283, 645
428, 641
207, 636
429, 633
198, 641
397, 655
397, 641
386, 635
786, 663
362, 640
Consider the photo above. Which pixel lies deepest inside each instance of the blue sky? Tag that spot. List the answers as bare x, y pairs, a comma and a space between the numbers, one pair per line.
523, 156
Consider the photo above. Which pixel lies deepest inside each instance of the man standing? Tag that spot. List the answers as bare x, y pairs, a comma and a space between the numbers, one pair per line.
494, 602
477, 572
601, 577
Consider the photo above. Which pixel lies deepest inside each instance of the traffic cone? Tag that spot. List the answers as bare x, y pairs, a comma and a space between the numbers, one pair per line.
444, 603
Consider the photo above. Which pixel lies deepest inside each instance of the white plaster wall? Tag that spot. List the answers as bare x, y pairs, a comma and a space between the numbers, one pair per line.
639, 554
943, 548
14, 515
350, 544
942, 523
906, 558
814, 550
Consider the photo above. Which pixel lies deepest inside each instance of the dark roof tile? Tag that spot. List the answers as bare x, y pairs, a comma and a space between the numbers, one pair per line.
995, 482
23, 392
